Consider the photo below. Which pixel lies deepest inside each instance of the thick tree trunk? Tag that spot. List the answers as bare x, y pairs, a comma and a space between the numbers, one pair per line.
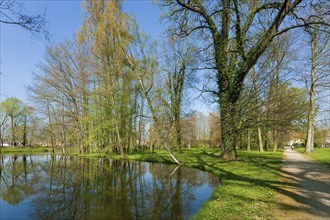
275, 142
229, 124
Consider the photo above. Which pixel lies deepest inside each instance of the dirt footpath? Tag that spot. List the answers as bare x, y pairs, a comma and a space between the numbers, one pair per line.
305, 192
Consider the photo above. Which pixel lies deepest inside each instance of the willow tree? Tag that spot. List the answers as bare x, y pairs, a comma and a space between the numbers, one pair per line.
238, 32
109, 31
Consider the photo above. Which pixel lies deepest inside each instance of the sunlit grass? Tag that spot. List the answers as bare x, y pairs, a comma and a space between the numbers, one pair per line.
321, 155
25, 150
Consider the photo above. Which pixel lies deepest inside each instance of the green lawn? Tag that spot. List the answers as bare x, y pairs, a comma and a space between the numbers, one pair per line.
248, 186
321, 155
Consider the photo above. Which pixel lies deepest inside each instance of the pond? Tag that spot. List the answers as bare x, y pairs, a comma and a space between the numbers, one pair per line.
58, 187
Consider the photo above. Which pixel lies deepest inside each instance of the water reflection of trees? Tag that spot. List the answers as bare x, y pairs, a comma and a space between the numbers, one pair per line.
82, 188
18, 178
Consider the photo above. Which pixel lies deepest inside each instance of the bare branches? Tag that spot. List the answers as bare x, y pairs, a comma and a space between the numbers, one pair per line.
199, 9
309, 24
12, 13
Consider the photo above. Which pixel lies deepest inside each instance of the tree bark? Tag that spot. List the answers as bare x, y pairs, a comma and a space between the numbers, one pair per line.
249, 140
311, 112
229, 125
13, 135
154, 116
261, 149
177, 132
275, 141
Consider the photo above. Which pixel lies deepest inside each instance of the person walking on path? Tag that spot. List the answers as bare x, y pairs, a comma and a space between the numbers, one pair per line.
305, 189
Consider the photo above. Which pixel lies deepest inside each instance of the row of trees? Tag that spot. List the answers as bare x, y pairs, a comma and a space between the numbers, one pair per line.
237, 34
111, 88
97, 91
23, 125
15, 116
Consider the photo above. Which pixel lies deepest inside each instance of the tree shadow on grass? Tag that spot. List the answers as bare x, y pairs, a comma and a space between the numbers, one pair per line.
276, 185
211, 154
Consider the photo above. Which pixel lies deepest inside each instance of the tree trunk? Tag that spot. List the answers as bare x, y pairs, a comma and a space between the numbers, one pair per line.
177, 133
12, 131
24, 132
121, 147
311, 112
261, 149
1, 139
77, 126
51, 129
63, 130
154, 116
249, 140
229, 124
275, 142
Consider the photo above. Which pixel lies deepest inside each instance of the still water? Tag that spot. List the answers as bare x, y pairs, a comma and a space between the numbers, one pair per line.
45, 187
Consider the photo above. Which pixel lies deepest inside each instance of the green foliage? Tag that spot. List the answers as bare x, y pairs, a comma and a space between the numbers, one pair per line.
17, 112
13, 107
228, 31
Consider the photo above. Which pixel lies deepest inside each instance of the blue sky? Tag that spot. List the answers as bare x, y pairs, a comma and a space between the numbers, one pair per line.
21, 52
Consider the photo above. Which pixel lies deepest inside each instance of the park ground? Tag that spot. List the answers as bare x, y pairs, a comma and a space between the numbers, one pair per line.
306, 194
259, 185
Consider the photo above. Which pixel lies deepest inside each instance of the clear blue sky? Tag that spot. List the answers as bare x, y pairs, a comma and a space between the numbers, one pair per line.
20, 52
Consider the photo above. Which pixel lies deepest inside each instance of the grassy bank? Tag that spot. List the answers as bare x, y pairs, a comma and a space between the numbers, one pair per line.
321, 155
32, 150
248, 186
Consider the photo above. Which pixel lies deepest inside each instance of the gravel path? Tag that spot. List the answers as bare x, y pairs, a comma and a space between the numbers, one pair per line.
305, 193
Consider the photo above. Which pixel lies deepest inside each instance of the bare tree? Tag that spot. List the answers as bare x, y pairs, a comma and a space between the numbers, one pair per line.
180, 57
318, 81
